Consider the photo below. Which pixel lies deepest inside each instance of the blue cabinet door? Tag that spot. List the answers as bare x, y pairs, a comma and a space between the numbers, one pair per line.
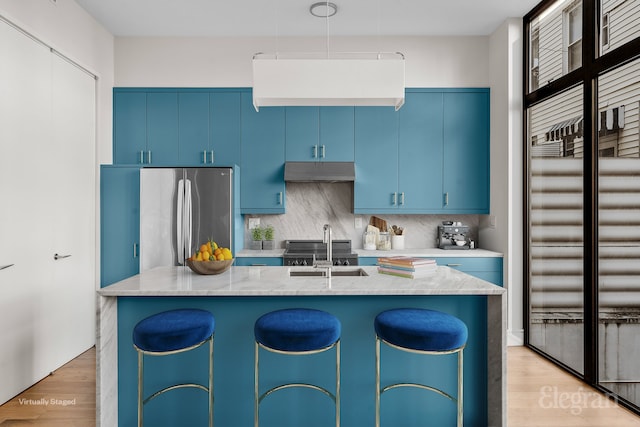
119, 223
302, 134
224, 108
129, 127
337, 134
466, 151
376, 155
263, 146
193, 118
420, 153
316, 134
162, 128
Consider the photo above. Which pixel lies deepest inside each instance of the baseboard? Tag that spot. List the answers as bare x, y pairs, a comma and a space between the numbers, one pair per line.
515, 338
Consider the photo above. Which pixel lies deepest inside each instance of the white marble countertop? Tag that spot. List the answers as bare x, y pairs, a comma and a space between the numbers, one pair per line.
276, 281
424, 252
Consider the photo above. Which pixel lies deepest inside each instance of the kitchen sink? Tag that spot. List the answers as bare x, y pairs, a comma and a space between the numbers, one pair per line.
322, 272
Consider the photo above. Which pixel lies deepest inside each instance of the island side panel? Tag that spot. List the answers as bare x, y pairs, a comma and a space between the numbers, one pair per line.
107, 361
497, 360
235, 317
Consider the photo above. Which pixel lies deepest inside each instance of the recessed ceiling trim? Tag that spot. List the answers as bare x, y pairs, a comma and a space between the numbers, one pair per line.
323, 9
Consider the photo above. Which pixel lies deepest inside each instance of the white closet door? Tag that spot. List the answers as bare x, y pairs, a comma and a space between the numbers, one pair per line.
25, 114
68, 301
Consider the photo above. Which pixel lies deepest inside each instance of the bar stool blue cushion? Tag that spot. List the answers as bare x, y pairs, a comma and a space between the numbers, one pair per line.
297, 329
421, 329
173, 330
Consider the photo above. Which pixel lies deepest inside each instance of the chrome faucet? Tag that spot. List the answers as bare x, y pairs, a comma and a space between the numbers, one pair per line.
327, 264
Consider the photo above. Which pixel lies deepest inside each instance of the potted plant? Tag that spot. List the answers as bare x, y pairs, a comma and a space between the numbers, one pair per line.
267, 242
256, 238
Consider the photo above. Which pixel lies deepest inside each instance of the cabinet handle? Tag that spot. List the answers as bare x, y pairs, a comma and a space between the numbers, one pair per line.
211, 152
401, 198
141, 157
57, 257
6, 266
149, 156
446, 199
135, 250
322, 150
454, 265
204, 156
314, 153
394, 198
280, 198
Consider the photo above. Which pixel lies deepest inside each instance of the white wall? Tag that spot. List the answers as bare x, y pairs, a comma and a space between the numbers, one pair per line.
226, 62
502, 230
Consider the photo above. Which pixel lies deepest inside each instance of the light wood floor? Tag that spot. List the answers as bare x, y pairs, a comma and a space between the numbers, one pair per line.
539, 395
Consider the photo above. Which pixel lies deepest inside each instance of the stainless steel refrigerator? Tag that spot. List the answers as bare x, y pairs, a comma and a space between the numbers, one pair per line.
181, 208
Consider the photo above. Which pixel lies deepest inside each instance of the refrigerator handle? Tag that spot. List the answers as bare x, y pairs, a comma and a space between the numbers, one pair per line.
180, 222
187, 220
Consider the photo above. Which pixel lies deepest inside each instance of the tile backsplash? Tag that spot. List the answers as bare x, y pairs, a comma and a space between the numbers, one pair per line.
311, 205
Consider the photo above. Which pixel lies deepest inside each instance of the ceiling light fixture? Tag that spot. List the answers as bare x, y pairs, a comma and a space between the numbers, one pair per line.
323, 9
329, 78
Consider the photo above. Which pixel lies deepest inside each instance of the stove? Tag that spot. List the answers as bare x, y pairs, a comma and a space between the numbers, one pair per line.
301, 252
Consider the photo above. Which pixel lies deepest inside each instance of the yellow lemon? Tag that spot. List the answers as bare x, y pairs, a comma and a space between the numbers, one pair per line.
205, 255
220, 257
227, 253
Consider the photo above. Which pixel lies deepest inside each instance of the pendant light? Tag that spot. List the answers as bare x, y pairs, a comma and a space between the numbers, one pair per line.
330, 79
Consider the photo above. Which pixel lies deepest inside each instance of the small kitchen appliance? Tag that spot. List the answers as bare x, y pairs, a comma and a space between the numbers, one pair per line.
304, 252
453, 235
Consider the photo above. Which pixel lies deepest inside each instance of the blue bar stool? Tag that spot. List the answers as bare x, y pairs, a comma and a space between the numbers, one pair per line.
172, 332
424, 332
297, 331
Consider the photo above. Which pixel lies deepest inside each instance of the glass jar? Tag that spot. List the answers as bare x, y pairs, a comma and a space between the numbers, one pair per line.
384, 241
369, 240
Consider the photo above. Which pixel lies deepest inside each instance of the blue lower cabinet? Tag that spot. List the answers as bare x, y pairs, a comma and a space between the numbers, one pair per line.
234, 357
258, 261
485, 268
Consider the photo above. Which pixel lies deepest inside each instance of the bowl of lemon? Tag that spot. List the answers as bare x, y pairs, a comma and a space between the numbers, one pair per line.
210, 259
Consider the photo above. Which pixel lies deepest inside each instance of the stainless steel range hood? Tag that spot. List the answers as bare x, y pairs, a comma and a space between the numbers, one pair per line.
319, 171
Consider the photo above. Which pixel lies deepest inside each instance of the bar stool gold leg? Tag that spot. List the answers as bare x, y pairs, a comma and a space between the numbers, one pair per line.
377, 382
460, 386
211, 382
338, 384
256, 403
140, 389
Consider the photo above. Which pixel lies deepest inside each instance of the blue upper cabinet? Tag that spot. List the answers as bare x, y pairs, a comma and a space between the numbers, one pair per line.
431, 157
129, 127
262, 158
145, 128
193, 116
224, 108
302, 134
315, 134
376, 156
186, 127
420, 153
466, 151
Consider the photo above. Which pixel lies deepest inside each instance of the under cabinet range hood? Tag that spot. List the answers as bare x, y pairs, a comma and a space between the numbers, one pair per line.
345, 79
319, 172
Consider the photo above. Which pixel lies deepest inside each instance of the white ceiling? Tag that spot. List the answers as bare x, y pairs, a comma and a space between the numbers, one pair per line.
238, 18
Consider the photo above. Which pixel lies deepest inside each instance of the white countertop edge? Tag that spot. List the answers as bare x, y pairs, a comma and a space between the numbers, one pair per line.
275, 281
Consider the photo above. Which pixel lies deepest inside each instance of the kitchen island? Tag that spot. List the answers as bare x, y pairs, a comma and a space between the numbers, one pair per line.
239, 296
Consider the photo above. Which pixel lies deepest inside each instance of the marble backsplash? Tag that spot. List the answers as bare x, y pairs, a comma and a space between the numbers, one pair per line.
311, 205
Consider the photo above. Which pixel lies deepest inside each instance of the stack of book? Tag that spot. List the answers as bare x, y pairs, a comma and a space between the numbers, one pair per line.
410, 267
